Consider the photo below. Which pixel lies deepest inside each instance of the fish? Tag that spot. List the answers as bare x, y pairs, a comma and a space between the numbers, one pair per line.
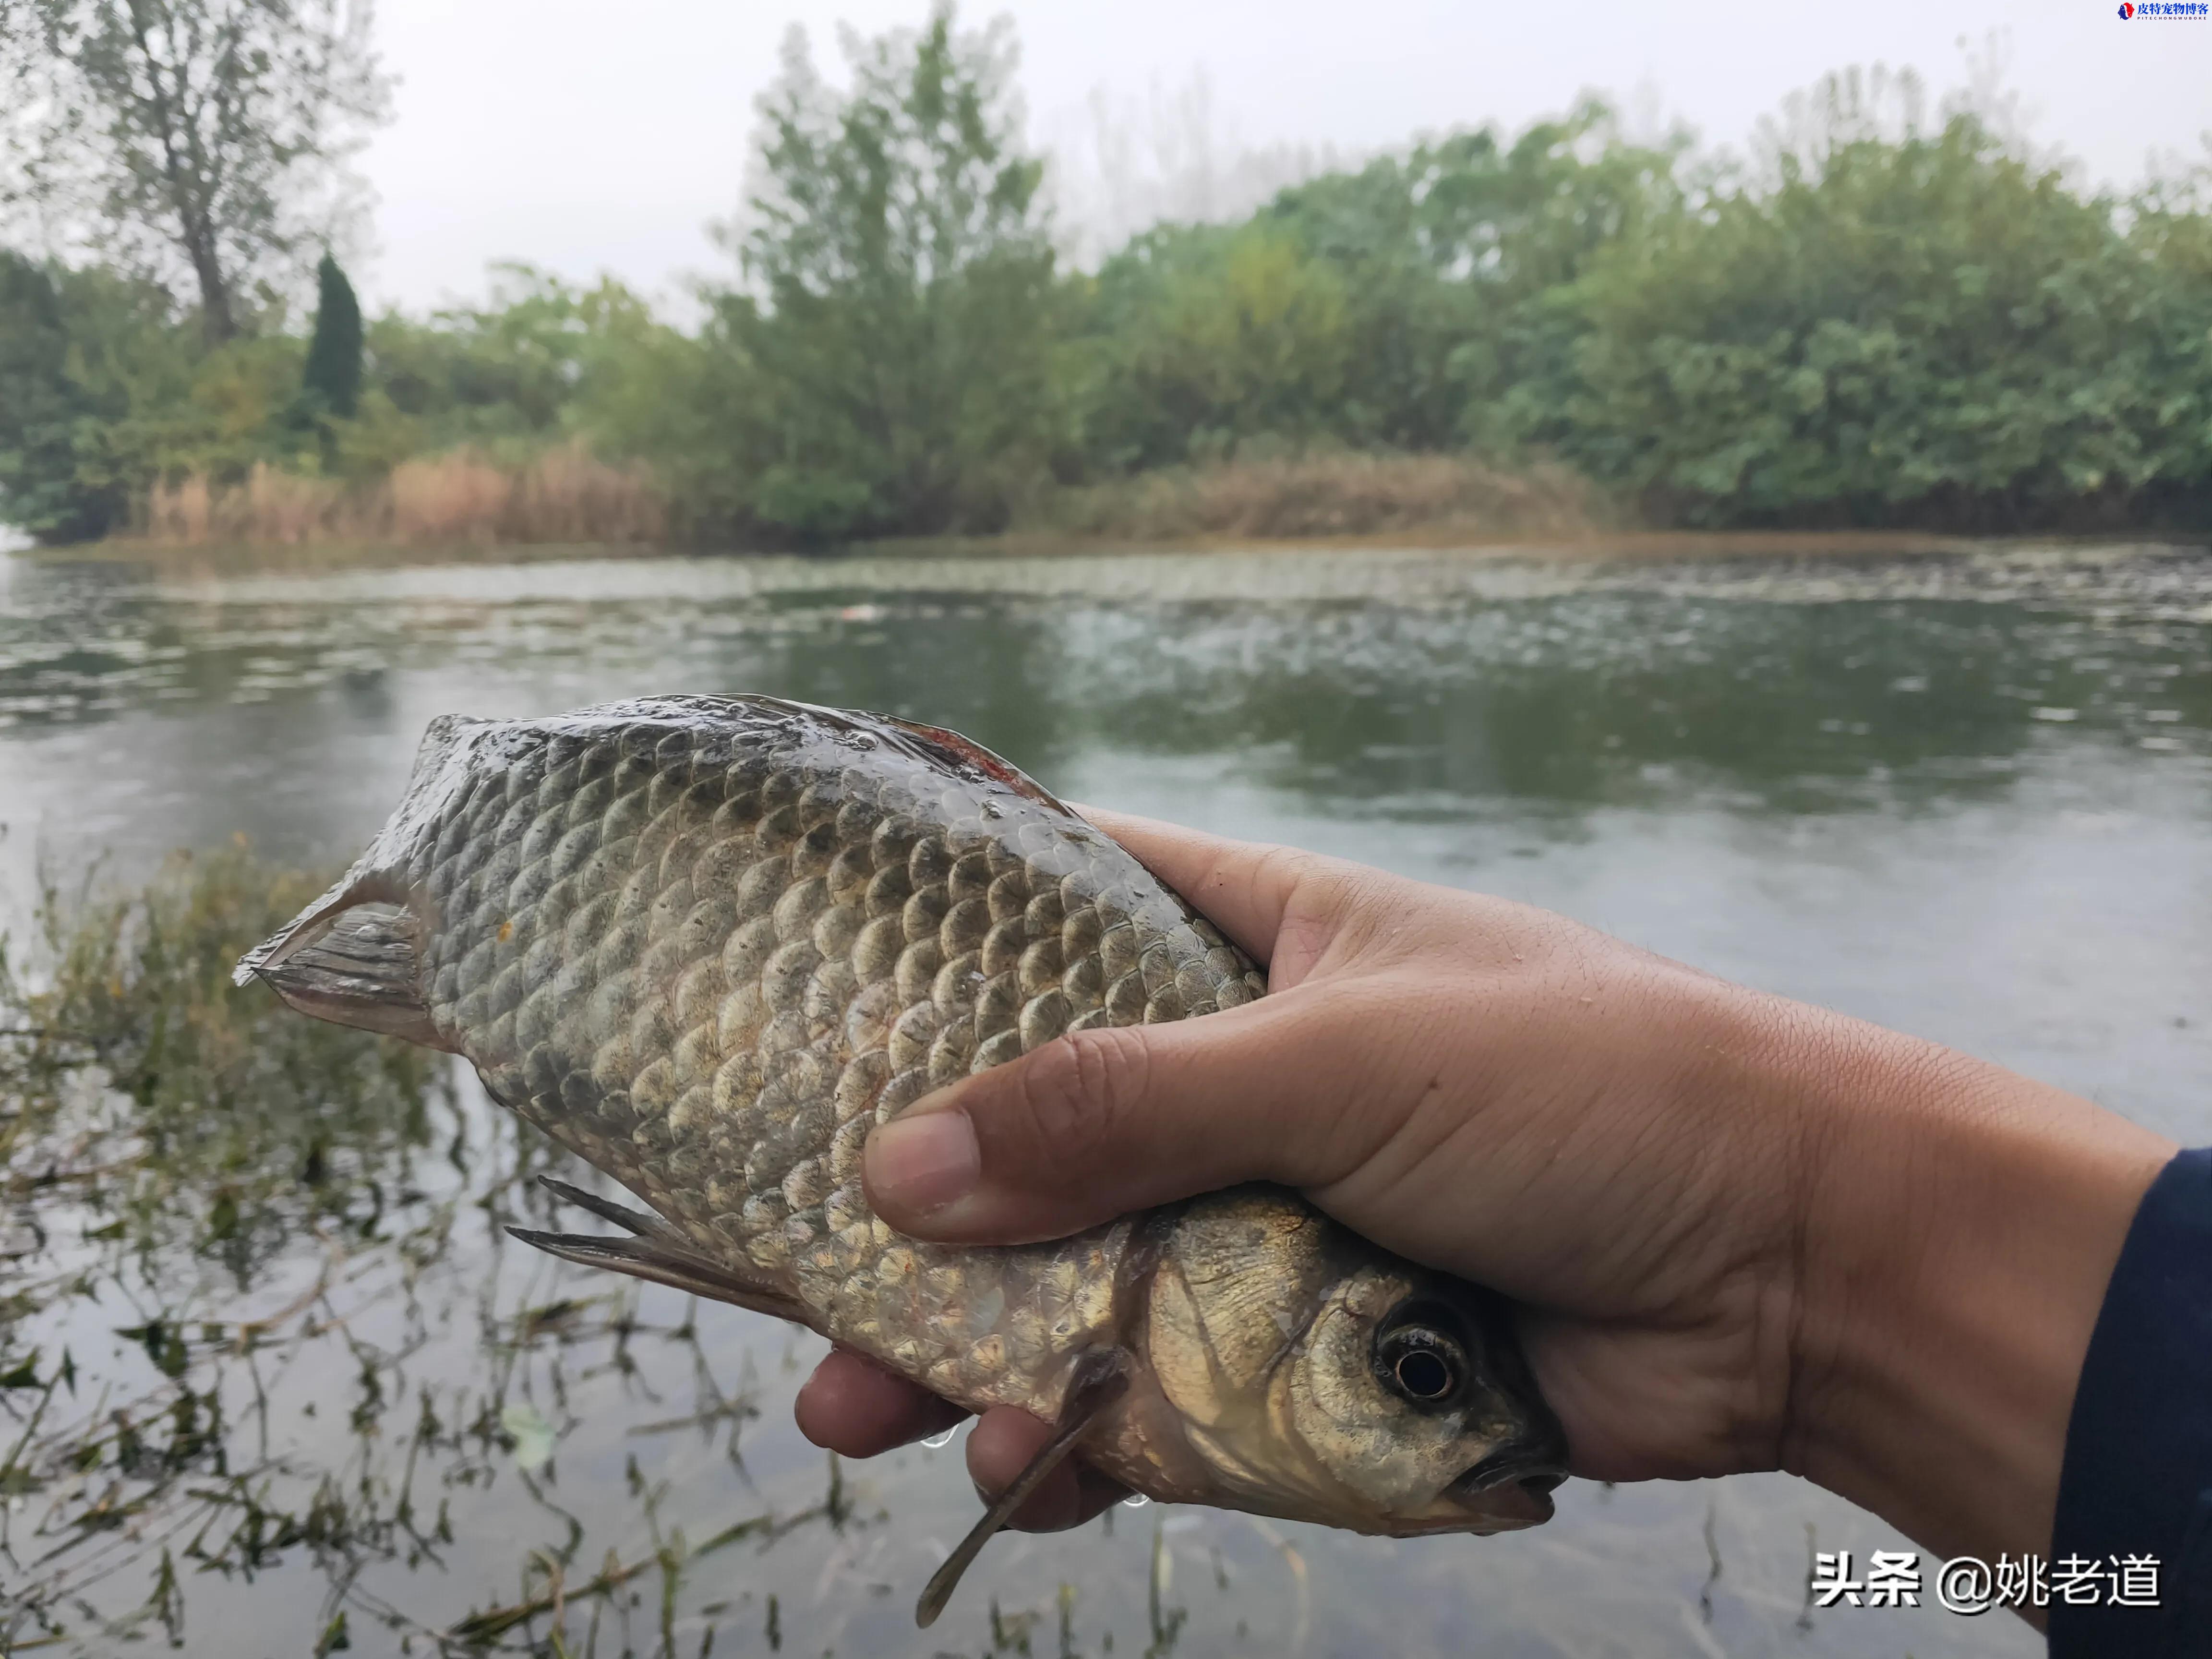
708, 944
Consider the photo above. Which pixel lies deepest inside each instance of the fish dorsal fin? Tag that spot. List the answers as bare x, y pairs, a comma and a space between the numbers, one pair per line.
966, 755
355, 962
931, 743
1102, 1376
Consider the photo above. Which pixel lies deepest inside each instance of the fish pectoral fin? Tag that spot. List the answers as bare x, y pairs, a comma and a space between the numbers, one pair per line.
643, 1223
649, 1259
1102, 1376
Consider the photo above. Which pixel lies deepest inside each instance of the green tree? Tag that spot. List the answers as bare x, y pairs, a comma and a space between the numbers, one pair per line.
2166, 368
510, 374
332, 379
158, 403
1929, 330
188, 138
1407, 305
691, 407
1453, 253
43, 408
1204, 337
898, 300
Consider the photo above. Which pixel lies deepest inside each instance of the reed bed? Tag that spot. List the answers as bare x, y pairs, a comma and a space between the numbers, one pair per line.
565, 495
1331, 494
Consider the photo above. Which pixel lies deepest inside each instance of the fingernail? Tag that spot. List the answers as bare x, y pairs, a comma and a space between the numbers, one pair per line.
924, 1163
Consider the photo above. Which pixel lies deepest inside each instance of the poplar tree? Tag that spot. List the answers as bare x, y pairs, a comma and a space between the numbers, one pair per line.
199, 141
897, 310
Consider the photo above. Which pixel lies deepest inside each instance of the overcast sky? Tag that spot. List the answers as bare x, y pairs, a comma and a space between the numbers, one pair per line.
589, 137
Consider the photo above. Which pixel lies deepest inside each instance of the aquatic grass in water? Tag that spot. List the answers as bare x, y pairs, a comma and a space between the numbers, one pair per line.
368, 1414
265, 1353
155, 1114
269, 1365
130, 1059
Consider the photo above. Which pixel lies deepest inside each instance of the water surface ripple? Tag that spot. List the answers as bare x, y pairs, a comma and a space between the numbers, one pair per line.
1968, 796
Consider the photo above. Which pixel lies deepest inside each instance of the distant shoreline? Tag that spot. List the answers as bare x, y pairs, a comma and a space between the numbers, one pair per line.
1596, 546
462, 509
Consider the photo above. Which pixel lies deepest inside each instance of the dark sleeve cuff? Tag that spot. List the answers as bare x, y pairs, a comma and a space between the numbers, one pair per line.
2138, 1476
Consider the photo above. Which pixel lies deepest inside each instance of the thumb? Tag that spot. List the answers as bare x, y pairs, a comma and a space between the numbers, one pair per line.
1101, 1122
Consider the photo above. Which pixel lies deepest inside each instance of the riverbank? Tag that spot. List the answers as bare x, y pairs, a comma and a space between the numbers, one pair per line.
463, 509
1648, 546
1595, 548
465, 505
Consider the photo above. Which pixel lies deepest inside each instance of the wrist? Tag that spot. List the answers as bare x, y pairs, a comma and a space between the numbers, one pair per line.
1963, 1222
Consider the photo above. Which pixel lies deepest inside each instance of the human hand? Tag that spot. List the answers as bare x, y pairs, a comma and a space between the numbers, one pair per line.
1746, 1233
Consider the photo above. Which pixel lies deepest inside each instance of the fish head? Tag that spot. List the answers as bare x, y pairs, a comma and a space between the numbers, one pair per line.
1319, 1378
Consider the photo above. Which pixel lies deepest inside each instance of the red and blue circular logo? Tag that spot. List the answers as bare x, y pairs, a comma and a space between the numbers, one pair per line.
2126, 10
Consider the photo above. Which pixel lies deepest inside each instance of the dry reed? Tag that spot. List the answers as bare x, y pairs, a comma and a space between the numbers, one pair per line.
567, 497
1329, 494
564, 496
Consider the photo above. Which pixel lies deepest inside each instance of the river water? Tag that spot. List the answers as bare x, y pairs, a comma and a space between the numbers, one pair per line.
1970, 796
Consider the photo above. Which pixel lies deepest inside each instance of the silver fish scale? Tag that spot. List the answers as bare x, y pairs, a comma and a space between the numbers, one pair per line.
708, 944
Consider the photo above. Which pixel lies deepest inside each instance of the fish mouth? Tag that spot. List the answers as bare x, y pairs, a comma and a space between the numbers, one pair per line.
1511, 1488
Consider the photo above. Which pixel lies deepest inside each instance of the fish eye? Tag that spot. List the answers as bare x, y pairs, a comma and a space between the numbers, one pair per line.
1420, 1356
1424, 1373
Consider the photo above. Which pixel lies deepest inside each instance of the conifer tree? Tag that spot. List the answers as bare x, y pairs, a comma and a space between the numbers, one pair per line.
332, 379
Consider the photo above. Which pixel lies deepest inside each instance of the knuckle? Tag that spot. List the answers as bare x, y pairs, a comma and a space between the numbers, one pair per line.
1078, 1093
1315, 898
1290, 874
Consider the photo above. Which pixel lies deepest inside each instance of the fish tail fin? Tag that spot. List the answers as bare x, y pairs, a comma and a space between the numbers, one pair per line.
353, 957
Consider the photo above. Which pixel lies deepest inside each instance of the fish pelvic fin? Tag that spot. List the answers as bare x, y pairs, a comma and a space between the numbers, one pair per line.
659, 1254
353, 957
1102, 1376
656, 1264
641, 1223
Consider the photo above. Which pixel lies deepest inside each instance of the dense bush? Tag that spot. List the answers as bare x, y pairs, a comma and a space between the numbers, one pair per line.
1930, 331
42, 406
1404, 307
1905, 327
